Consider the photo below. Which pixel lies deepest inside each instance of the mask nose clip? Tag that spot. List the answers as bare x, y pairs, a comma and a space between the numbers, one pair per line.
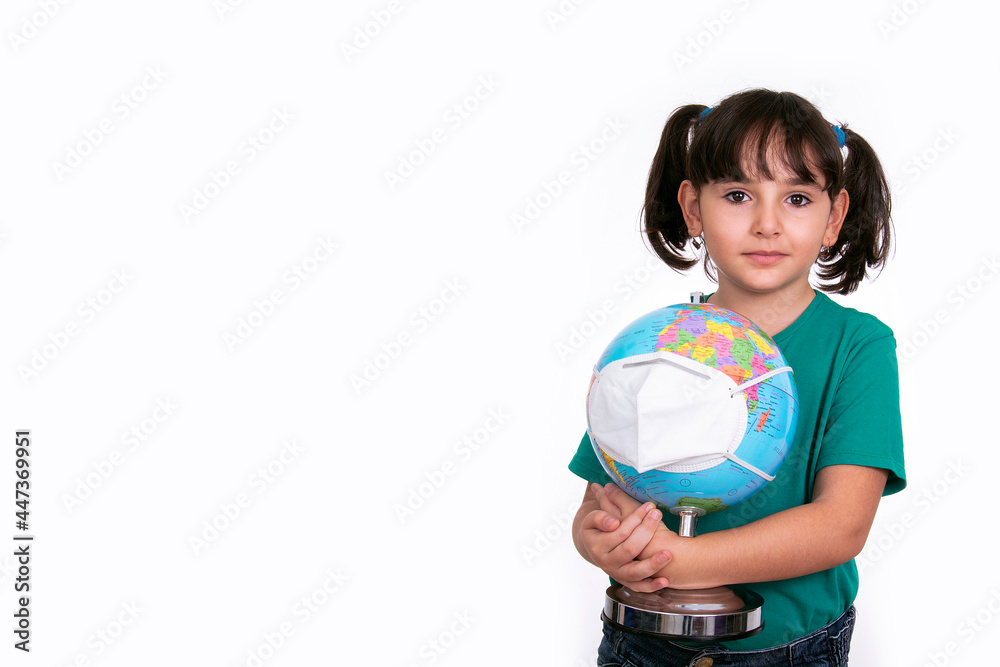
695, 370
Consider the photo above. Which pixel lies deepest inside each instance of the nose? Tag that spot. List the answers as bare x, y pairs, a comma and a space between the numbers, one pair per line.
767, 220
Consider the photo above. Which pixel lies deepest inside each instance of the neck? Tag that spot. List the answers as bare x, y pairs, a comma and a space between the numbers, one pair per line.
772, 312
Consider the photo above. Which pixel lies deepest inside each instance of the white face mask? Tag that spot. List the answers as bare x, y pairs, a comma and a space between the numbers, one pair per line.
666, 412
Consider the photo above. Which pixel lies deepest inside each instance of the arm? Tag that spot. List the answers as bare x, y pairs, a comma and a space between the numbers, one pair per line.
829, 531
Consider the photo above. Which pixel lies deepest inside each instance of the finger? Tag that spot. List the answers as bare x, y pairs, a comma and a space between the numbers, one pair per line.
642, 575
612, 547
646, 512
637, 530
647, 568
618, 497
617, 502
605, 502
601, 521
603, 536
646, 585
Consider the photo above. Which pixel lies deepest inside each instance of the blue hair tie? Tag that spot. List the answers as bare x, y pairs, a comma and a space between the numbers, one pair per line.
704, 113
839, 132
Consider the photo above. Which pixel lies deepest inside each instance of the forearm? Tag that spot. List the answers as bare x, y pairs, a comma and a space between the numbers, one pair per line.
801, 540
792, 543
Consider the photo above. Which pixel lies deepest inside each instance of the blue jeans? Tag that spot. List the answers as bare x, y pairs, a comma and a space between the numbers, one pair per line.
827, 647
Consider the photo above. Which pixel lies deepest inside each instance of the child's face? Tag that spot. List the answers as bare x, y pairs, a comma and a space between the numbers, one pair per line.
764, 235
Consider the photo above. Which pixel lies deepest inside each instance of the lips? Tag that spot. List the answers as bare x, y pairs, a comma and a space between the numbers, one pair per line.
764, 256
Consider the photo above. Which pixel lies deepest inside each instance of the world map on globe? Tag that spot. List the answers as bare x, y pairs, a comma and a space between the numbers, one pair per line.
724, 340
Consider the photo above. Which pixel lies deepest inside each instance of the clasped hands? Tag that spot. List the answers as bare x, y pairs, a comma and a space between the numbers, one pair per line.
627, 539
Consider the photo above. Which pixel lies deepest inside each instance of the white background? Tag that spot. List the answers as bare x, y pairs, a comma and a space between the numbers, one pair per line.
415, 547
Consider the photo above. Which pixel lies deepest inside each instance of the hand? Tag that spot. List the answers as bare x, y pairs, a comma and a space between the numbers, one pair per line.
615, 501
619, 532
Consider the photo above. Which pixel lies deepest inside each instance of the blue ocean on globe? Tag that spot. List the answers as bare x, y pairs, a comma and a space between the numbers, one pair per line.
732, 344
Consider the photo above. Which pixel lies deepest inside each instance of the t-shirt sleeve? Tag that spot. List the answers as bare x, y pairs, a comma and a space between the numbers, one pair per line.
864, 425
586, 465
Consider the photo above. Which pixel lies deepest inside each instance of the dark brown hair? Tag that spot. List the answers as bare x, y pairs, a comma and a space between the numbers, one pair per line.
733, 138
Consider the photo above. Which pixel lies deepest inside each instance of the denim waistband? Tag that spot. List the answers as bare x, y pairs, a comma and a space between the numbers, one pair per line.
828, 646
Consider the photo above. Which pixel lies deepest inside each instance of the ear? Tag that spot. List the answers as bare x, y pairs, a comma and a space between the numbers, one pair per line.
837, 214
687, 197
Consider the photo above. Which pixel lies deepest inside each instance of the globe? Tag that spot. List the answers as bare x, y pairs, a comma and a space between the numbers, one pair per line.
739, 352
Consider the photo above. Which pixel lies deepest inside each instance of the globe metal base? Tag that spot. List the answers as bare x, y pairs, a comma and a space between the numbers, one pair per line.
709, 614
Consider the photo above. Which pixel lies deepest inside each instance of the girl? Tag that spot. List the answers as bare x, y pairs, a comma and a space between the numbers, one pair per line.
760, 185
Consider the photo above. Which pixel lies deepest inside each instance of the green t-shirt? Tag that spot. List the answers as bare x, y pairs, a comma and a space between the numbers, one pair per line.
848, 383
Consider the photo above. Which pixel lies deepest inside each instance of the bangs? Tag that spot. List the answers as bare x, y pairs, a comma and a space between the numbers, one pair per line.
749, 136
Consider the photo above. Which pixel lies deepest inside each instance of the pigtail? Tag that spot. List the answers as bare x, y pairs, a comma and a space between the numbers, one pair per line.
663, 220
866, 235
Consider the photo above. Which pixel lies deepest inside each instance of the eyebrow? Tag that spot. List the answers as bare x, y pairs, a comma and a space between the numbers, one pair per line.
796, 182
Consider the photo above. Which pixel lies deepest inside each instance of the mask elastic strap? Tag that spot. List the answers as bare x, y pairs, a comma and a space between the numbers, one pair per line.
760, 378
746, 385
755, 470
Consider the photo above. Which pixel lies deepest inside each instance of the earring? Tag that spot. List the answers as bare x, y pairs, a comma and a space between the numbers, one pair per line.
698, 242
825, 253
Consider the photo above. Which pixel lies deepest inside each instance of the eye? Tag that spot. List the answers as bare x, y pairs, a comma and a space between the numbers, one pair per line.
799, 200
736, 196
